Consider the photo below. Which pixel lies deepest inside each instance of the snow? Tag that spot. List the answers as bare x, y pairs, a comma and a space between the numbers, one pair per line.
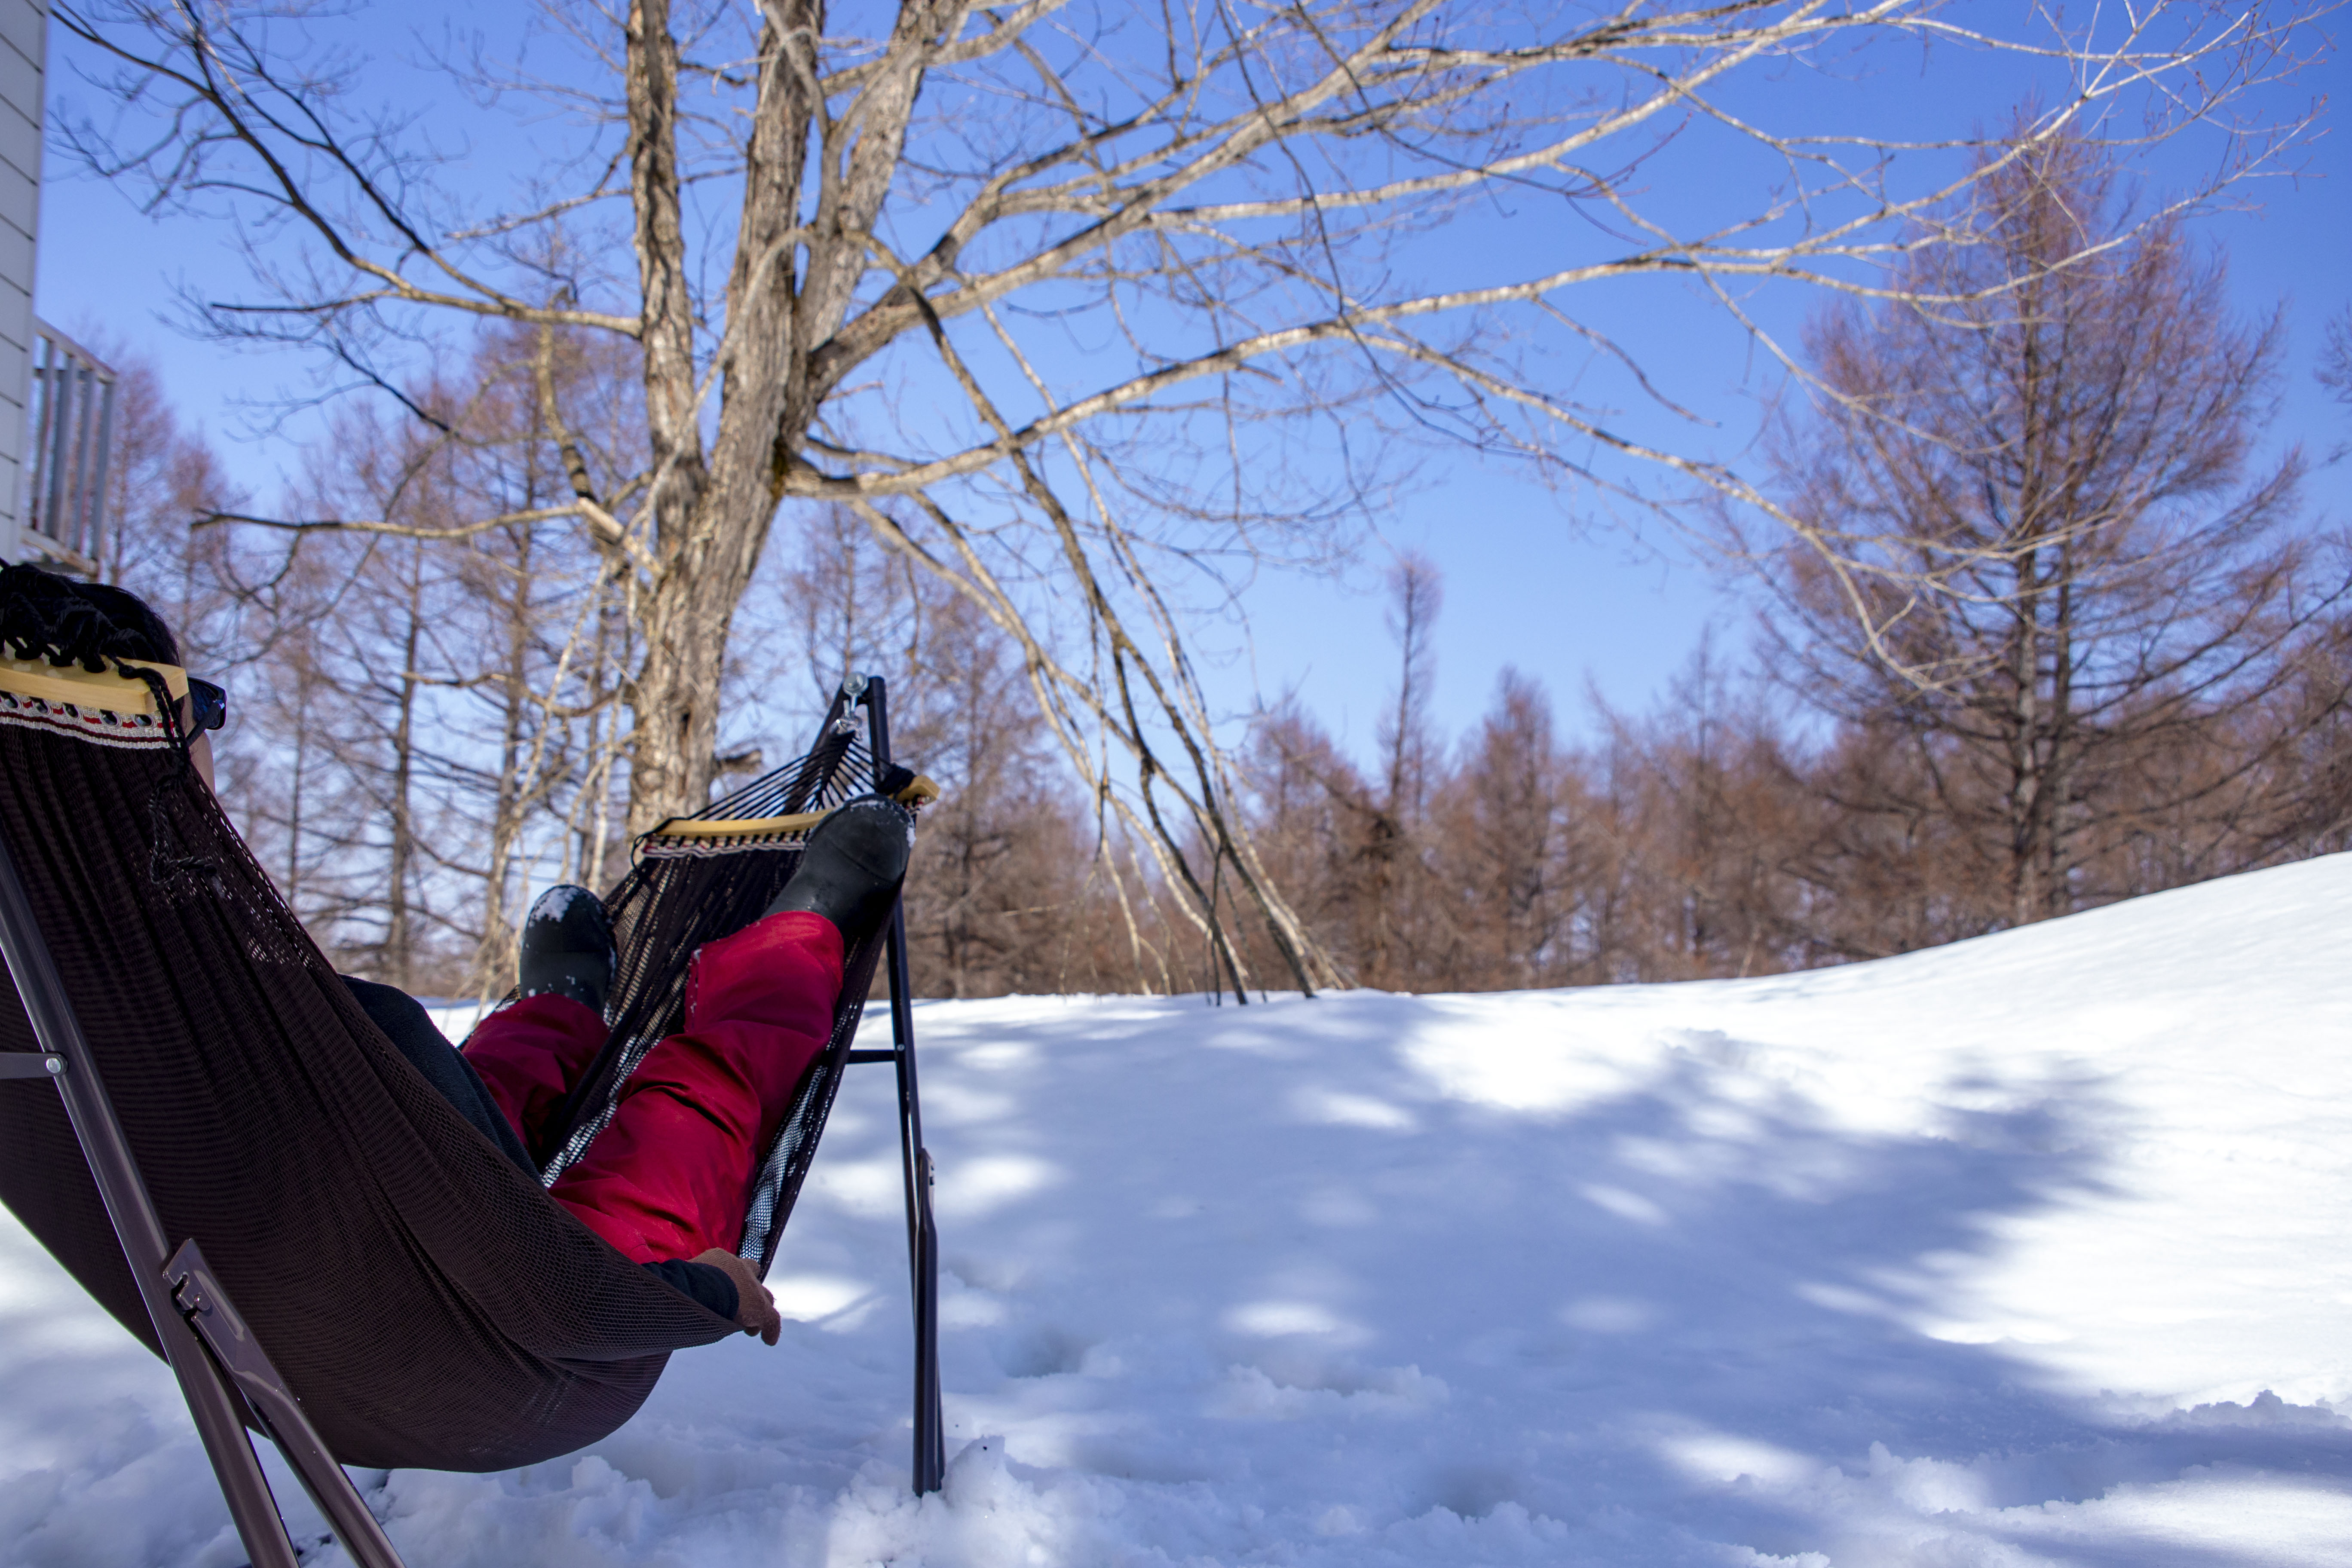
2029, 1250
555, 904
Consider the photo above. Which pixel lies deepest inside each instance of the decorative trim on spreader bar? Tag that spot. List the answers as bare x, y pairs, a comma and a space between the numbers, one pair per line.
108, 707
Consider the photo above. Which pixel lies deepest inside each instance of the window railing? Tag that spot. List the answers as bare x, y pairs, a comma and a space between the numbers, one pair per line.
71, 420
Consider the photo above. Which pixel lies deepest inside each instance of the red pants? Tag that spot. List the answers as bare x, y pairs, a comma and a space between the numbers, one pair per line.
670, 1174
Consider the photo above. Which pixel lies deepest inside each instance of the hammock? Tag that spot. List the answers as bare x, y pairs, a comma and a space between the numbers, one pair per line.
241, 1168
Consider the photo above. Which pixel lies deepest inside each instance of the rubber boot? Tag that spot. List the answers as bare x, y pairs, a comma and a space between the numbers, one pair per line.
567, 948
852, 868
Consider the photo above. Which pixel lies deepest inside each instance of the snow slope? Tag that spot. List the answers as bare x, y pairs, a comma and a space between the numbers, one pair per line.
2030, 1250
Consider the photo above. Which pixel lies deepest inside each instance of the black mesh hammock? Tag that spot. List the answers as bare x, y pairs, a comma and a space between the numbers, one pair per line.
241, 1168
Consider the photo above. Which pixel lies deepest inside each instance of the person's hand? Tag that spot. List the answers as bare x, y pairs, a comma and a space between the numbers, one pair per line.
755, 1310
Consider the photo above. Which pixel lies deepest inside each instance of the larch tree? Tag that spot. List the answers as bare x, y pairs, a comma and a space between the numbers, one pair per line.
1500, 826
2059, 428
1054, 295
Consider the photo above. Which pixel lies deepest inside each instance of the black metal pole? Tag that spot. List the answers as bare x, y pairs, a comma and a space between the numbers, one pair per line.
922, 1236
219, 1422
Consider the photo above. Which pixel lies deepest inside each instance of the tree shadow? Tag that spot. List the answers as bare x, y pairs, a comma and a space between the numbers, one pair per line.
1278, 1251
1369, 1279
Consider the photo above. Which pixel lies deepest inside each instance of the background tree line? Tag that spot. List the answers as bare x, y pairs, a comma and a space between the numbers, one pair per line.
1085, 311
2139, 681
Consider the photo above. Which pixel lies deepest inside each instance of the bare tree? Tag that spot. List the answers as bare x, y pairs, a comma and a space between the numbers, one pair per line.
1299, 794
2062, 446
1409, 747
1050, 294
1011, 889
159, 475
1359, 849
1502, 856
1710, 805
1001, 872
436, 706
2335, 368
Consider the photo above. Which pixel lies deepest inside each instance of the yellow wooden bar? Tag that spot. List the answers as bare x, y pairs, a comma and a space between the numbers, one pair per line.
741, 828
922, 792
114, 693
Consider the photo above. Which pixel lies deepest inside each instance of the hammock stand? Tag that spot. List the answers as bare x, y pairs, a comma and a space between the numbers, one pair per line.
620, 1337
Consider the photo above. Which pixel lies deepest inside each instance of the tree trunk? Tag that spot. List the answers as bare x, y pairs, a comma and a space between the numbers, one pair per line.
399, 938
494, 951
711, 519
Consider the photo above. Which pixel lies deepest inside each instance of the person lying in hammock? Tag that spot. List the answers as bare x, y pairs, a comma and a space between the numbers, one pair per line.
667, 1180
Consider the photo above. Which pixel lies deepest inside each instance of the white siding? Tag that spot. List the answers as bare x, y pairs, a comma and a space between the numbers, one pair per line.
24, 33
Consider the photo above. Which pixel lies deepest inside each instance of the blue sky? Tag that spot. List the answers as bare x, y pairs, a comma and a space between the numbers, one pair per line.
1550, 581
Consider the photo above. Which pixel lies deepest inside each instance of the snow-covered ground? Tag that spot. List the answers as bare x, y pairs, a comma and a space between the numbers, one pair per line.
2036, 1249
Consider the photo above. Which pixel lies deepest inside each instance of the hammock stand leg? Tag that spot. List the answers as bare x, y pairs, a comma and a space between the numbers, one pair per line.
922, 1237
222, 1372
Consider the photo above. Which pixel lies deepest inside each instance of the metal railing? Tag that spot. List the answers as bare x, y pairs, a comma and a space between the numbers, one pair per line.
71, 425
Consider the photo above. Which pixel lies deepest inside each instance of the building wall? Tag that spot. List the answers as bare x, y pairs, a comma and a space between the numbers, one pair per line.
24, 33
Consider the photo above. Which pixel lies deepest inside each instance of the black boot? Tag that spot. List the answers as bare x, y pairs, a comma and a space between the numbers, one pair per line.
567, 948
851, 870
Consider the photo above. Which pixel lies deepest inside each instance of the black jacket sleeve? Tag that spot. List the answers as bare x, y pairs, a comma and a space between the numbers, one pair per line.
707, 1284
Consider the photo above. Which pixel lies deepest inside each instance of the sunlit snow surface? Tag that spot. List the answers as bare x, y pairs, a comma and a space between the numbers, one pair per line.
2036, 1249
